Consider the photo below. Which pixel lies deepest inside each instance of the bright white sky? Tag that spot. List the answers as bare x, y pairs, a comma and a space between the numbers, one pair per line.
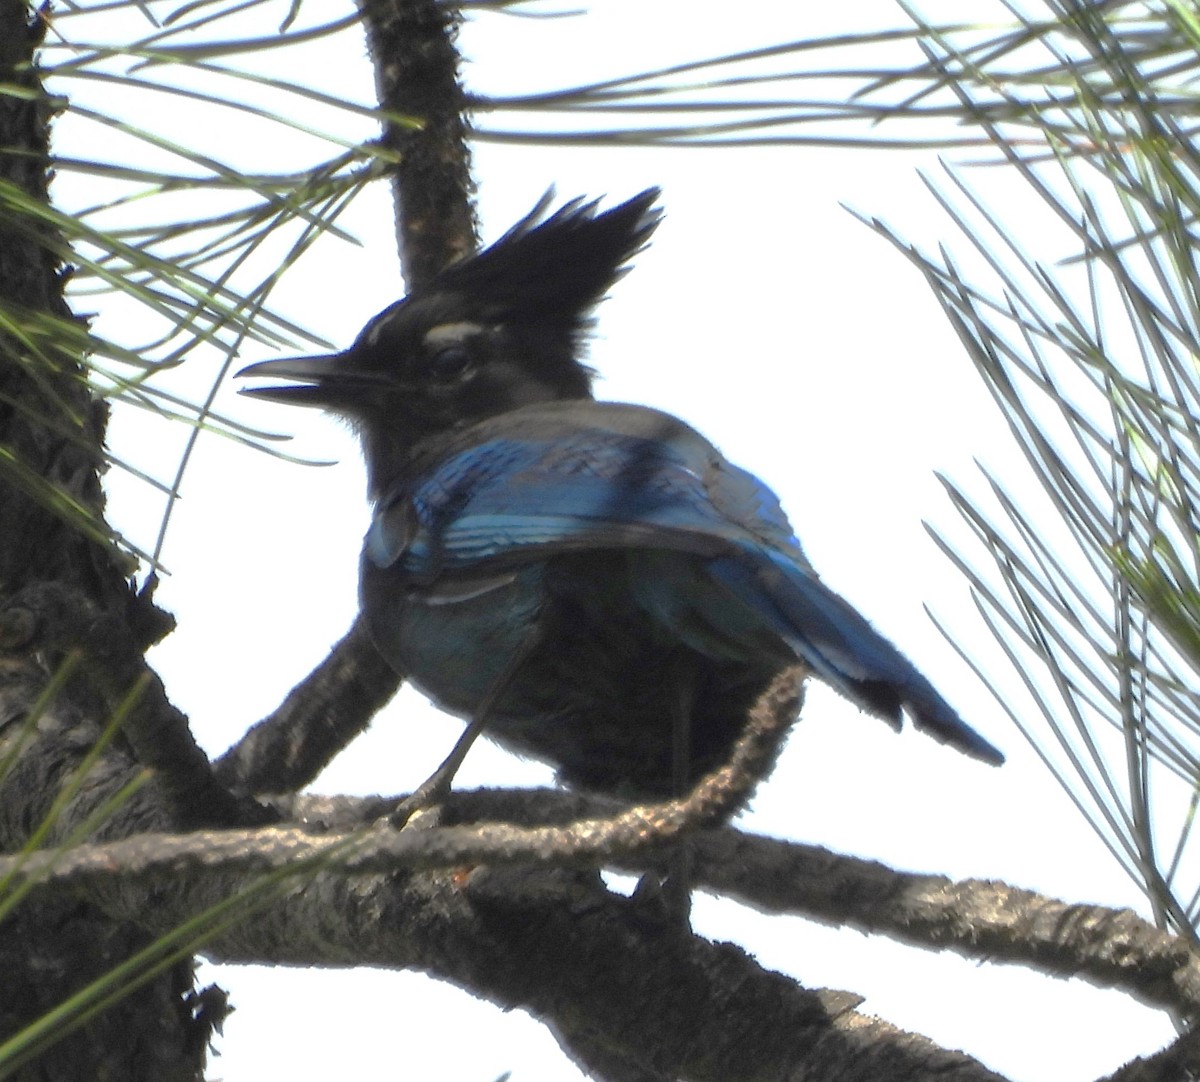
813, 354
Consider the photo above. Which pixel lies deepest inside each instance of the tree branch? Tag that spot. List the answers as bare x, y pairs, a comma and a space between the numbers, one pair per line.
54, 619
990, 921
377, 847
609, 976
611, 979
492, 915
1178, 1061
1113, 948
319, 717
416, 75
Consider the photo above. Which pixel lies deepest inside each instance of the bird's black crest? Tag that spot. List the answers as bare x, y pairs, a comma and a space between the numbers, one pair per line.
554, 269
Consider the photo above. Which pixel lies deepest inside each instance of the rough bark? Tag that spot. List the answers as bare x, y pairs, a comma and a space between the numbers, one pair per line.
628, 993
417, 78
51, 442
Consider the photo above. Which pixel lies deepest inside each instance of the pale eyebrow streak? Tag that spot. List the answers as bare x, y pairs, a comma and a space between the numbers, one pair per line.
373, 333
384, 320
446, 334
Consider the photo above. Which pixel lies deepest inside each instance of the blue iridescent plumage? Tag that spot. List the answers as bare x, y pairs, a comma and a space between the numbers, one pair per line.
582, 567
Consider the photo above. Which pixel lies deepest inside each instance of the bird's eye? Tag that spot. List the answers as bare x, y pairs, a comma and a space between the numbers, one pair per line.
449, 363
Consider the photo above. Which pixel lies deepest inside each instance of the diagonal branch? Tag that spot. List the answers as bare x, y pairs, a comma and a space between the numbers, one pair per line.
319, 717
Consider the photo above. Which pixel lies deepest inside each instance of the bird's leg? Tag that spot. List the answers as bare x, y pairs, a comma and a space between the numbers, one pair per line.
677, 888
681, 729
436, 787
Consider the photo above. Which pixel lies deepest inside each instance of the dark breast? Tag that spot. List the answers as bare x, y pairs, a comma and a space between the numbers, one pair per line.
596, 696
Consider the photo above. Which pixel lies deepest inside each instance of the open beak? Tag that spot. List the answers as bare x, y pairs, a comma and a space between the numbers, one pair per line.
317, 381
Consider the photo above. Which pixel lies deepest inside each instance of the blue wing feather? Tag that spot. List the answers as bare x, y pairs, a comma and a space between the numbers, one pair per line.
542, 481
591, 488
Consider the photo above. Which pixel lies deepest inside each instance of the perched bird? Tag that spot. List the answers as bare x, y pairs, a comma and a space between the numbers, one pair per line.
580, 572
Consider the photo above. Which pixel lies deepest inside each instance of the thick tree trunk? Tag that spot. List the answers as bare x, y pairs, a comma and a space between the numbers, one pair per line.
51, 437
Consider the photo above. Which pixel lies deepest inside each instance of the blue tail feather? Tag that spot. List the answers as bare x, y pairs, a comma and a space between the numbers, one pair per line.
826, 633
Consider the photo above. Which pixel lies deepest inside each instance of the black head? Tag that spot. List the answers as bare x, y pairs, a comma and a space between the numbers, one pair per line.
496, 331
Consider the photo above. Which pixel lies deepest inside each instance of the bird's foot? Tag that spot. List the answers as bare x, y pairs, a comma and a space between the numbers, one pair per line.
431, 792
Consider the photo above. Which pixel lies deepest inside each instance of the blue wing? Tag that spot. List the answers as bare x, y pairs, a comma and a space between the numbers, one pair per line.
583, 482
585, 476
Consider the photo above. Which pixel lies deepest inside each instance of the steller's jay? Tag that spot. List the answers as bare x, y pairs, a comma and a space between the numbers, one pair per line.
577, 573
